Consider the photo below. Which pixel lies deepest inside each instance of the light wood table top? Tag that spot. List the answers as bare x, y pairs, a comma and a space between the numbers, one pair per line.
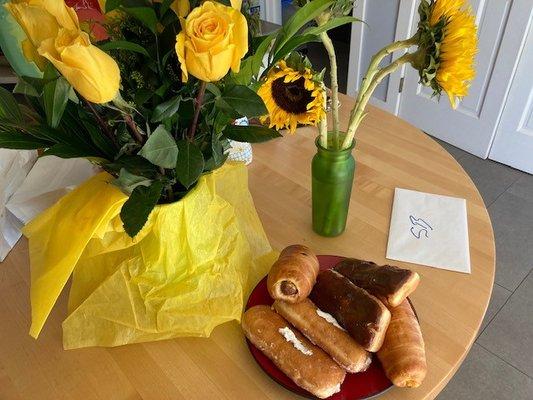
389, 153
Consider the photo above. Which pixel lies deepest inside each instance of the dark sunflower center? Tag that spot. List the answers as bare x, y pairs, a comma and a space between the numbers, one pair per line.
292, 97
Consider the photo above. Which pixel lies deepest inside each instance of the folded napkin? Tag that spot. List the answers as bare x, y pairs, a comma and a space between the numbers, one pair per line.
14, 166
28, 187
429, 229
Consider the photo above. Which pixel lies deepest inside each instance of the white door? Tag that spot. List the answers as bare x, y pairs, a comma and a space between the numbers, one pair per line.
270, 10
386, 21
513, 144
472, 125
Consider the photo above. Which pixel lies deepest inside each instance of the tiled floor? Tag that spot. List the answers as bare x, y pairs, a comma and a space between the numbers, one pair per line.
500, 364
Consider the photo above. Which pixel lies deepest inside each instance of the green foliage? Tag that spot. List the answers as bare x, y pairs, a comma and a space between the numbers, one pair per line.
190, 163
147, 138
55, 98
160, 149
137, 209
251, 133
244, 101
9, 108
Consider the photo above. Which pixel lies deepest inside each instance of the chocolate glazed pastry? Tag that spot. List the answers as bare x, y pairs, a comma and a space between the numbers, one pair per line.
390, 284
293, 275
364, 316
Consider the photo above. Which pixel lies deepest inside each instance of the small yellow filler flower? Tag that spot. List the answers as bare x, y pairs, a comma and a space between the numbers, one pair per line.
291, 98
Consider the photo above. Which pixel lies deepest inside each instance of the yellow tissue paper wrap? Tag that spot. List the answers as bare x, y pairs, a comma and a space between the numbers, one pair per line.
189, 269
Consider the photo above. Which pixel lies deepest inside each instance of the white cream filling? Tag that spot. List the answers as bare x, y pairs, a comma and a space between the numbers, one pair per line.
291, 337
330, 318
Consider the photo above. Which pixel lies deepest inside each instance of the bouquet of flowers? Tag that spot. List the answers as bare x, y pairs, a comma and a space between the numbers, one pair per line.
164, 242
148, 90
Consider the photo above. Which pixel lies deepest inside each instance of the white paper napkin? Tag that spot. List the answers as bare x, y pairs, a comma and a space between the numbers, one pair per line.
429, 229
14, 166
27, 189
50, 179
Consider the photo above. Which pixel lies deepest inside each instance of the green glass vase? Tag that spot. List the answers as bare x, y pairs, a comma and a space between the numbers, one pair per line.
332, 175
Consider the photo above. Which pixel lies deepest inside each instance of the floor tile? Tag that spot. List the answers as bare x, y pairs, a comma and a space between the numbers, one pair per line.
456, 152
510, 334
497, 300
512, 220
523, 187
483, 376
491, 178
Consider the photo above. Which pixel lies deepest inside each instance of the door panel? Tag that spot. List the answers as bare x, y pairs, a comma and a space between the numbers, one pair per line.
385, 22
473, 124
513, 144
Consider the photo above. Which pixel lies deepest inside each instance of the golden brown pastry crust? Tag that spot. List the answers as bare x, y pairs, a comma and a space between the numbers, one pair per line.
388, 283
316, 372
364, 316
293, 275
333, 340
402, 355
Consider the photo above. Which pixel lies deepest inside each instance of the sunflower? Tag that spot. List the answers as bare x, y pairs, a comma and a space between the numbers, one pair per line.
291, 97
448, 37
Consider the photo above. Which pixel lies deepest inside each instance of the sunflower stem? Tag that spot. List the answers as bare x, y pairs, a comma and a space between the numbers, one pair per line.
328, 44
323, 124
358, 112
373, 68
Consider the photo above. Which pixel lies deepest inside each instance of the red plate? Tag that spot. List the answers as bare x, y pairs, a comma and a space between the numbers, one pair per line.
363, 385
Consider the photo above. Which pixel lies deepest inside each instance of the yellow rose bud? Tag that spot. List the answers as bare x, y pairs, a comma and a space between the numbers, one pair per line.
92, 72
181, 7
41, 20
214, 38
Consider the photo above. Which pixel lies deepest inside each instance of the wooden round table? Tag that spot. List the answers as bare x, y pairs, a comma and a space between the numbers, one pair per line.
390, 153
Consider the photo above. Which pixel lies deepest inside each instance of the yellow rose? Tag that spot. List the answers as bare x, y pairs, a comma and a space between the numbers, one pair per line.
92, 72
213, 39
41, 20
181, 7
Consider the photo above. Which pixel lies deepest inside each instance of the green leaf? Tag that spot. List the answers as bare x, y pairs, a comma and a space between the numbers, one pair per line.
165, 5
245, 101
9, 107
100, 140
128, 181
50, 72
190, 163
68, 151
211, 87
137, 208
142, 96
134, 164
160, 149
55, 98
251, 133
301, 17
23, 87
221, 121
331, 24
218, 157
146, 15
124, 45
166, 109
245, 74
257, 61
291, 45
21, 141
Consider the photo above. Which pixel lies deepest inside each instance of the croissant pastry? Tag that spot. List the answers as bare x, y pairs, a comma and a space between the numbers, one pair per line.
293, 275
402, 355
